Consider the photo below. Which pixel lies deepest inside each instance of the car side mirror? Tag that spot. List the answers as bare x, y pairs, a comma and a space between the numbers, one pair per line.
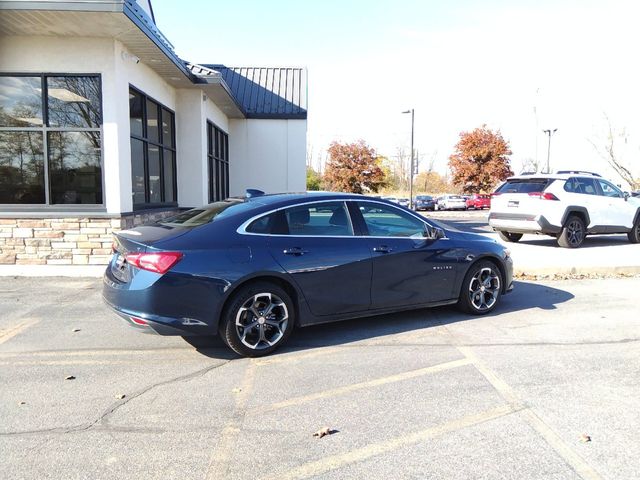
433, 233
626, 195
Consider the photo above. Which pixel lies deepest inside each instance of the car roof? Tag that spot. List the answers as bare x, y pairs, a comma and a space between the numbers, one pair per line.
562, 175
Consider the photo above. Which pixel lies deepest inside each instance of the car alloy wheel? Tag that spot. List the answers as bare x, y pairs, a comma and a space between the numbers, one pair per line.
481, 289
259, 320
573, 233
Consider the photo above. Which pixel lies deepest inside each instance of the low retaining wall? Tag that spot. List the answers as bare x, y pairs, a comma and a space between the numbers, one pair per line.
65, 240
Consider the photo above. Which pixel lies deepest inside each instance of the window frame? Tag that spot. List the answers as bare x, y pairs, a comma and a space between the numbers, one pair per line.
145, 153
45, 129
355, 217
213, 160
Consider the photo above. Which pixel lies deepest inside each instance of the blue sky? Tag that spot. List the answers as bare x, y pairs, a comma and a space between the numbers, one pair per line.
517, 66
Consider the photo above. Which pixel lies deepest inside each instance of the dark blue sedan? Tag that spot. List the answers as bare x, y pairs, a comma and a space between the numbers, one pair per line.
251, 269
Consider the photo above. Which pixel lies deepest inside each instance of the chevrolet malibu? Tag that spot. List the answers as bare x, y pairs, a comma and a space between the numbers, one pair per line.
252, 269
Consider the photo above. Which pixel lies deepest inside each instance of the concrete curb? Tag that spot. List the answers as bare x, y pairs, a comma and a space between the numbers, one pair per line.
89, 271
631, 270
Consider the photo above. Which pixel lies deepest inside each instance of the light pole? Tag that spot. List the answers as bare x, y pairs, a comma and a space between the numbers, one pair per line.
549, 133
411, 165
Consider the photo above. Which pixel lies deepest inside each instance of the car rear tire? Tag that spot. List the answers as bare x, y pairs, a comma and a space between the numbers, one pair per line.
509, 236
573, 233
481, 289
634, 234
258, 319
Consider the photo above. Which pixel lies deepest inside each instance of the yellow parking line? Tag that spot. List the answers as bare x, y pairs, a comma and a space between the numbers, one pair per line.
53, 363
95, 353
17, 329
324, 465
221, 455
294, 357
574, 460
360, 386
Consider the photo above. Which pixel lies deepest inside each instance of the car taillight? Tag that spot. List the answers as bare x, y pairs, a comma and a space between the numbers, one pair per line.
159, 262
543, 195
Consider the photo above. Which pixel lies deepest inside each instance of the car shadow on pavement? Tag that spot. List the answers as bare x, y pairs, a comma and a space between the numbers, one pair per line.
525, 296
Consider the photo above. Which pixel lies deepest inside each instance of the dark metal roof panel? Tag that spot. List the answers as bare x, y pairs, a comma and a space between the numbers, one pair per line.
266, 92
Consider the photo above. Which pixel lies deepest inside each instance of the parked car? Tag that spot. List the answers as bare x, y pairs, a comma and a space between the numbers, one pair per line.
451, 202
391, 199
424, 202
568, 206
478, 201
252, 269
403, 202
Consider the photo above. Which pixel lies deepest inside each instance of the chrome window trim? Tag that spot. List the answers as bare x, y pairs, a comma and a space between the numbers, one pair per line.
242, 229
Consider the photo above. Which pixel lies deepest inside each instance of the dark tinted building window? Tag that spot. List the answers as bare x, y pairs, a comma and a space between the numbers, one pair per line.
218, 159
153, 153
50, 139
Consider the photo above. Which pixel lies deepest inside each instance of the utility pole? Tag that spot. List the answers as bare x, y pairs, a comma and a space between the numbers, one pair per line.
549, 133
411, 167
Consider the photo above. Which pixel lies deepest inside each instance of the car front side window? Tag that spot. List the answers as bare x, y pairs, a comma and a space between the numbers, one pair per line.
328, 219
609, 190
386, 221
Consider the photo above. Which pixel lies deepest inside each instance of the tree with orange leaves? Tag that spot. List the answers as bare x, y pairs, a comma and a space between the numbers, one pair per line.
353, 167
480, 161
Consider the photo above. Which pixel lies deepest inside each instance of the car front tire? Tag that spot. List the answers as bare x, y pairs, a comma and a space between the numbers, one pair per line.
481, 289
573, 233
259, 319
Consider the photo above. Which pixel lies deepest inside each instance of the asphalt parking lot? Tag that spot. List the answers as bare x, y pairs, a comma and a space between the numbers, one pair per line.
426, 394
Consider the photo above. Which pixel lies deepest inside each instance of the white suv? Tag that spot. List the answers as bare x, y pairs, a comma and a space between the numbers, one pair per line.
567, 205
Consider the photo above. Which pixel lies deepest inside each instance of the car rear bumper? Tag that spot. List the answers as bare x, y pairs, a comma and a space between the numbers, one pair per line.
164, 304
522, 223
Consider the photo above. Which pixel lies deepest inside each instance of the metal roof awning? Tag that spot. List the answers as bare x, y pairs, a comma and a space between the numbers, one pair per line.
240, 92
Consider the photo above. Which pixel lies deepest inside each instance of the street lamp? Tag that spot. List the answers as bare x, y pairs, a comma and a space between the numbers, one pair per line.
549, 133
411, 166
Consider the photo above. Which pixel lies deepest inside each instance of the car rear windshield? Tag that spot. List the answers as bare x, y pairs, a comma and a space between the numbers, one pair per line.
424, 197
207, 214
524, 185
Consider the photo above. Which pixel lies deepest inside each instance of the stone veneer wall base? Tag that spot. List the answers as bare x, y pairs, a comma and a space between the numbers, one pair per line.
77, 240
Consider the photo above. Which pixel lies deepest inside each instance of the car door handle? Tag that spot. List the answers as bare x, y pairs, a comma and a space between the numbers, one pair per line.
295, 251
382, 249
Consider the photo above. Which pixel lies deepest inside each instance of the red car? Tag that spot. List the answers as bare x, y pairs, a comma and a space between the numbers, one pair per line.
478, 200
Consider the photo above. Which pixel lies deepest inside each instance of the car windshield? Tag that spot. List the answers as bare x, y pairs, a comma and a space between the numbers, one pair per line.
208, 213
423, 197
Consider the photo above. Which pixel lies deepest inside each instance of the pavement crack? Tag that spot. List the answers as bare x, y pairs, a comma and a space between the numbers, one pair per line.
102, 422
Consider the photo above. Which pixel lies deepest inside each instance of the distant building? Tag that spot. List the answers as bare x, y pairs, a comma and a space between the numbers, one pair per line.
103, 126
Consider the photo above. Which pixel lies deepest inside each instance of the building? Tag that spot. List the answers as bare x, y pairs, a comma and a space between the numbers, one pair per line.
103, 127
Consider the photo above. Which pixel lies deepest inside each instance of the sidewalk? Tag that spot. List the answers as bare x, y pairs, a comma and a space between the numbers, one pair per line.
599, 255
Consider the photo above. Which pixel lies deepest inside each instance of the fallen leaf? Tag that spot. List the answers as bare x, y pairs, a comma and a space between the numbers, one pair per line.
324, 431
70, 377
75, 330
584, 438
22, 403
121, 396
236, 390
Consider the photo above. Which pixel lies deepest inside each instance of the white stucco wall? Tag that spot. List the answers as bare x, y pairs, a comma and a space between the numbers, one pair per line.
269, 155
265, 154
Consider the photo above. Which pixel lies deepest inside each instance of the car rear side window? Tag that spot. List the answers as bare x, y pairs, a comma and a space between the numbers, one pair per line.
275, 223
585, 186
524, 185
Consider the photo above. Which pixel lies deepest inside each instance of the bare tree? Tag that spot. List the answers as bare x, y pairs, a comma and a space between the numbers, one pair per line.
608, 149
